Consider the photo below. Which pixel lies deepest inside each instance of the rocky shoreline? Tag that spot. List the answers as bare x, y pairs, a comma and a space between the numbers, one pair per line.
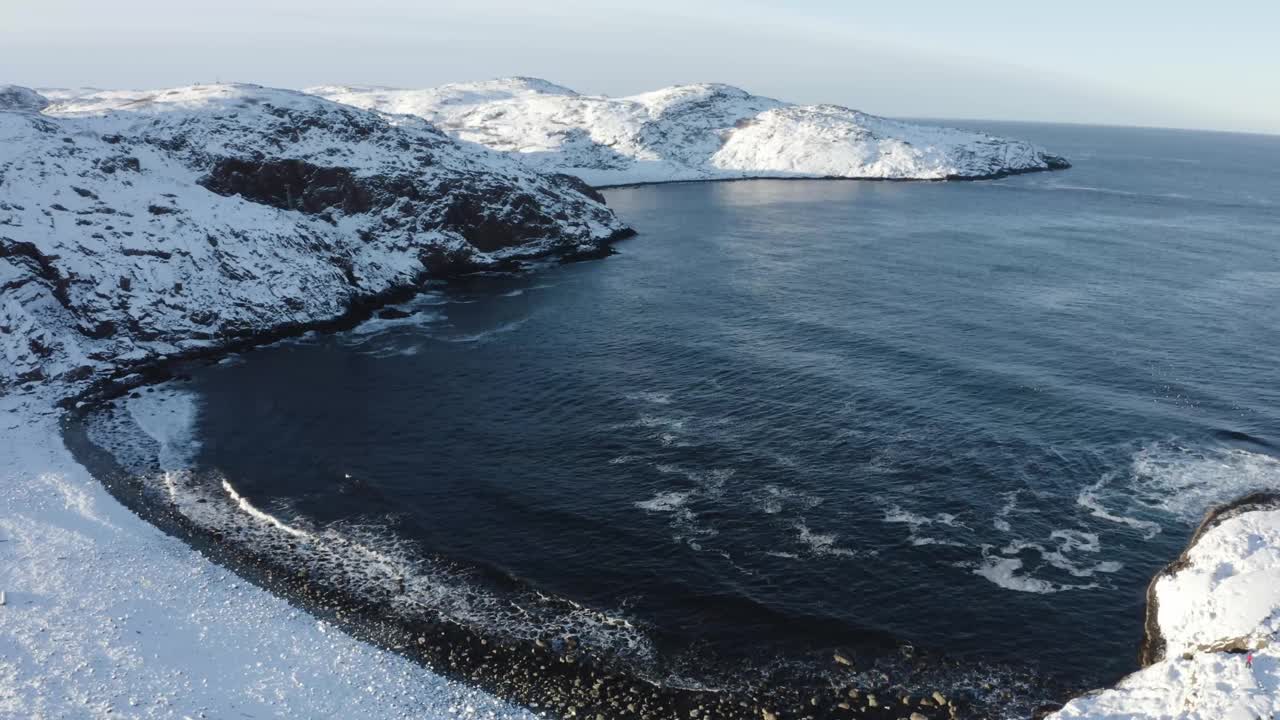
552, 674
1053, 163
125, 377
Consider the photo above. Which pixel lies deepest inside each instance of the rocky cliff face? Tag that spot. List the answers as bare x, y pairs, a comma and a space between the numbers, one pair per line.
138, 225
696, 132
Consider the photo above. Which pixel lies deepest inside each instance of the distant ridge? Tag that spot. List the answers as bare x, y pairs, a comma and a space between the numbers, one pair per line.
704, 131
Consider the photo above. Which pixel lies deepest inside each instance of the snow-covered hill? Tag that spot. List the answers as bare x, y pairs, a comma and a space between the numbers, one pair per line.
695, 132
136, 225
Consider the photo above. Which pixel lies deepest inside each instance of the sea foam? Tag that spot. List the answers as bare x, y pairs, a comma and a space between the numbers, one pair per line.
154, 437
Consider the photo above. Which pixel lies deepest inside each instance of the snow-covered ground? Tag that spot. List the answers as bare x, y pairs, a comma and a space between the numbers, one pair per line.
106, 616
1220, 602
694, 132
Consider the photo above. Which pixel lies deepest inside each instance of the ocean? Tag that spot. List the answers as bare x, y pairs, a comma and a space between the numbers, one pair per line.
949, 430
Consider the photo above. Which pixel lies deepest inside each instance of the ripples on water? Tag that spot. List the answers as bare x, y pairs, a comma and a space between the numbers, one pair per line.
792, 415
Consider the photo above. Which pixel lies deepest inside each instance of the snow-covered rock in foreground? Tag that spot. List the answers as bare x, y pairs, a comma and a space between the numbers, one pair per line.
135, 225
1224, 592
105, 616
1207, 612
696, 132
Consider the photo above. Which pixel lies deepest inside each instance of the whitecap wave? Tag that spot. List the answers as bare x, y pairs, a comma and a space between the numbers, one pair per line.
668, 430
378, 325
894, 514
1001, 521
1003, 571
1091, 498
664, 502
674, 424
1186, 482
655, 398
710, 483
821, 544
1065, 544
1170, 480
685, 523
772, 499
486, 334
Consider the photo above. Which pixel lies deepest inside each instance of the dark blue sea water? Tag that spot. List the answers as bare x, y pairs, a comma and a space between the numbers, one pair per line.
794, 415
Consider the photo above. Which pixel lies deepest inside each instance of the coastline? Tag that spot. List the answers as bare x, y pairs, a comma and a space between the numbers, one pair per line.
550, 673
551, 676
107, 614
1058, 165
122, 378
462, 655
533, 675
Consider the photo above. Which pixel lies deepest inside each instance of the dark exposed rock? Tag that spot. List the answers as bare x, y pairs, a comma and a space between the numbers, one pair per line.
43, 266
577, 184
1045, 711
110, 165
1056, 162
289, 185
98, 331
134, 252
495, 217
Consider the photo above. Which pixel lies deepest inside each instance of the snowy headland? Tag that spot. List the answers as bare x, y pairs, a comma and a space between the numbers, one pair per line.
705, 131
136, 226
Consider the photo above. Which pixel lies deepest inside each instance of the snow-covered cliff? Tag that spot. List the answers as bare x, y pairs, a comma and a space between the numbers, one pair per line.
1208, 613
695, 132
137, 225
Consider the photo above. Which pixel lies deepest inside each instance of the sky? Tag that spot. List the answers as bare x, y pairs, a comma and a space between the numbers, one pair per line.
1207, 65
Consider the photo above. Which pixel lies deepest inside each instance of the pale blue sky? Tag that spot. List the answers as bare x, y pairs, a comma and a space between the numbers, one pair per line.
1173, 63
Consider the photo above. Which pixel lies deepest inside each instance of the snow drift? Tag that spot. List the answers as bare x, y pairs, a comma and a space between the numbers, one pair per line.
696, 132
